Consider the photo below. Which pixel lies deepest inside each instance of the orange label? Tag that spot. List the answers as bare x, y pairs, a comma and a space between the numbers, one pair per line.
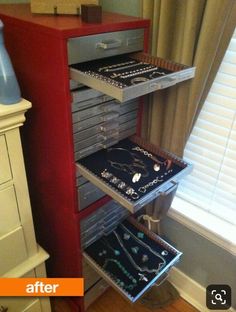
41, 287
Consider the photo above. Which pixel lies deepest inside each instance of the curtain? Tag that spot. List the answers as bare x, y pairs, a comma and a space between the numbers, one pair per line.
195, 33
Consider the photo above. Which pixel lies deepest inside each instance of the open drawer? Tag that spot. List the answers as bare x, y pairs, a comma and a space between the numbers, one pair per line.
129, 76
133, 172
131, 258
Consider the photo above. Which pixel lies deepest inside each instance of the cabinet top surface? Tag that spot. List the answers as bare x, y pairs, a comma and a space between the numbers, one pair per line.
68, 25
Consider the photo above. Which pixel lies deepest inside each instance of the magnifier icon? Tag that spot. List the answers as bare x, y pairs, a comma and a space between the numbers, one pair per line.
218, 297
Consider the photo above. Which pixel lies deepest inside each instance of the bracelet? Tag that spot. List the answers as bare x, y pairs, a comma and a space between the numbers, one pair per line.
115, 65
120, 184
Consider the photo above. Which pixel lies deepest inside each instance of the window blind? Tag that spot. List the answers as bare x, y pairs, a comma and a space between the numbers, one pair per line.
211, 147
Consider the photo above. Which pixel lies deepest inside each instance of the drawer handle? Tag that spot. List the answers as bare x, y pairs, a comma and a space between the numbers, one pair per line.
108, 44
3, 309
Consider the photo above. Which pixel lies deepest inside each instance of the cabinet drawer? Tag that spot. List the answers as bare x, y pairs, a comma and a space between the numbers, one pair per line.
9, 216
131, 258
87, 194
13, 250
93, 47
130, 76
5, 171
20, 304
133, 172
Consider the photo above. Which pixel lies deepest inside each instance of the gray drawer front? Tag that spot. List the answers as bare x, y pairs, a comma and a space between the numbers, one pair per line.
92, 294
101, 222
93, 47
87, 194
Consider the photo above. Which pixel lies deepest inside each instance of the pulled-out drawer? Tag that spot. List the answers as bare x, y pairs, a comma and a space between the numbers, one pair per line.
87, 194
129, 76
131, 258
134, 172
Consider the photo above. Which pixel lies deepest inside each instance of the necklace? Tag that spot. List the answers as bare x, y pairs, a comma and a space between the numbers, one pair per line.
144, 269
105, 243
133, 165
115, 65
124, 271
143, 244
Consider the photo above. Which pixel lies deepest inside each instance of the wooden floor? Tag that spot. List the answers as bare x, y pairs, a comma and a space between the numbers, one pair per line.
111, 301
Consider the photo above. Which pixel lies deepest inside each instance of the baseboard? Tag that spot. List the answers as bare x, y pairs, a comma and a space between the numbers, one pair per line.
190, 290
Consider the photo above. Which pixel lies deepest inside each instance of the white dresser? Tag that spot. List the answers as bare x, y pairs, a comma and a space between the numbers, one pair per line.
20, 256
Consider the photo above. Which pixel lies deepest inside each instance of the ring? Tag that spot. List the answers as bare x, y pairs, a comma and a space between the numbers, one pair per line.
138, 80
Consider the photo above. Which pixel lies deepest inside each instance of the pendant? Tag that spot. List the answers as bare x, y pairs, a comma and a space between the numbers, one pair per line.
164, 253
136, 177
144, 258
156, 167
135, 250
140, 235
126, 236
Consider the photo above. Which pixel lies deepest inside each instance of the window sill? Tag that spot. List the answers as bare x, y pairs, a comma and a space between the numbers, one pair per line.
216, 230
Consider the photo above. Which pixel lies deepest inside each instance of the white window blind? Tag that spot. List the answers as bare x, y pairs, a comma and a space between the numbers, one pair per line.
211, 147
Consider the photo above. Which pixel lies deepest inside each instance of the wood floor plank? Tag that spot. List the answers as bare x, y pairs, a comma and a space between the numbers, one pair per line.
111, 301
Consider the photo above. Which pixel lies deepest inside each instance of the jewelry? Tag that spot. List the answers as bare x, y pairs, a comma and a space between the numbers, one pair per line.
138, 80
143, 244
124, 271
140, 235
131, 72
135, 250
156, 74
105, 79
145, 258
167, 162
105, 243
164, 253
145, 269
126, 236
142, 277
150, 69
136, 164
122, 185
115, 65
104, 252
124, 67
144, 188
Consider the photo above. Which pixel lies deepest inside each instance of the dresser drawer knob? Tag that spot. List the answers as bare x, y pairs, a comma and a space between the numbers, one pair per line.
2, 309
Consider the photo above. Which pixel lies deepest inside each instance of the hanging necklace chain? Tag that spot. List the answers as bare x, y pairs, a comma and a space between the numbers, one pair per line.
144, 269
143, 243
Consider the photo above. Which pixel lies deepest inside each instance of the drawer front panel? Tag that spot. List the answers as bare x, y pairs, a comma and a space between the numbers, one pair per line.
5, 171
93, 293
9, 217
13, 250
87, 194
101, 222
20, 304
93, 47
90, 276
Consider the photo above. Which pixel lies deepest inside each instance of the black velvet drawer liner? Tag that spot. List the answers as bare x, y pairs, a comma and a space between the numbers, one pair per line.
120, 152
93, 67
109, 254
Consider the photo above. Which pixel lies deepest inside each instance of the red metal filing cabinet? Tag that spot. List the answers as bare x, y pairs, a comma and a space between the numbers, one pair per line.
86, 176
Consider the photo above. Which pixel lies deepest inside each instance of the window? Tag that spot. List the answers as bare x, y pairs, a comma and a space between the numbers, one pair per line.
211, 147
